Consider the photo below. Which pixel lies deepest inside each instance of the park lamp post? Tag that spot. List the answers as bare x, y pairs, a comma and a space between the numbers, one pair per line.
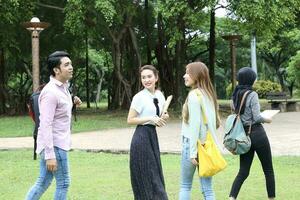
232, 43
35, 27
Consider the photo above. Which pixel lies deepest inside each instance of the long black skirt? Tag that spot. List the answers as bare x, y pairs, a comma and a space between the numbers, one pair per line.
147, 178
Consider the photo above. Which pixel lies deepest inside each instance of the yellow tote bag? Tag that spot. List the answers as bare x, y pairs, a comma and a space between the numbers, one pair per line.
210, 159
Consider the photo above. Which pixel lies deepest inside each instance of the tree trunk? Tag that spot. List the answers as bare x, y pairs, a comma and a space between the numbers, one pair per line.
135, 46
180, 58
117, 75
87, 82
163, 61
120, 83
133, 59
291, 88
2, 82
212, 46
115, 92
148, 34
100, 74
281, 80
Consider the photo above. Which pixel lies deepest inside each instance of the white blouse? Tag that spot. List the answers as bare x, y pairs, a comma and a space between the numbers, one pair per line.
143, 103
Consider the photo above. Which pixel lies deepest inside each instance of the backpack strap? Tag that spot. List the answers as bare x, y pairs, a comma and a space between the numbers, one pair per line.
242, 102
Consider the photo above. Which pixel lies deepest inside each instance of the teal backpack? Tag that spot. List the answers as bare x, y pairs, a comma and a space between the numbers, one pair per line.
235, 139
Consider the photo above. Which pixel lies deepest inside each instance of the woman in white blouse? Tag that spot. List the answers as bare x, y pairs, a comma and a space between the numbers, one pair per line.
147, 178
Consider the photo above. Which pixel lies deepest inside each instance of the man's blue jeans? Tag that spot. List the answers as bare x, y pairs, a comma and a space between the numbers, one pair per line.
45, 178
187, 174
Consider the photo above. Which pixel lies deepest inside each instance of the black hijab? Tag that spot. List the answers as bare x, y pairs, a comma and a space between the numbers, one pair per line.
246, 77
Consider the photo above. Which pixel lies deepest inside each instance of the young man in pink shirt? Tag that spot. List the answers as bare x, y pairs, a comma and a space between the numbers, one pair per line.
54, 132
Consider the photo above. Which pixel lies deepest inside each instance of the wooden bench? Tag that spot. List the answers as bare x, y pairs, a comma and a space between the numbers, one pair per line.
281, 101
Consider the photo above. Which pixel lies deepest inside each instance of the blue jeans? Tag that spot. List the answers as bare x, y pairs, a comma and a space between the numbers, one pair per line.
187, 174
45, 178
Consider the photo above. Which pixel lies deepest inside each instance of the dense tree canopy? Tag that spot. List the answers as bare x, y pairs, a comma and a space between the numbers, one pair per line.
110, 39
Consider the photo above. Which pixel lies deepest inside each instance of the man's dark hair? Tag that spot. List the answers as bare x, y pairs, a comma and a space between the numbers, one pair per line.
54, 60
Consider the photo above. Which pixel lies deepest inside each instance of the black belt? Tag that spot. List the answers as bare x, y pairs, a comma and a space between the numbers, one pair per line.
147, 125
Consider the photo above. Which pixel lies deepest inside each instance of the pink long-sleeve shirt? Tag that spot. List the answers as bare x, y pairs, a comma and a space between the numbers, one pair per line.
55, 104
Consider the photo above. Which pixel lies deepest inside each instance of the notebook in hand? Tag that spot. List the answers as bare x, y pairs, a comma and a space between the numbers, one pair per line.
167, 103
269, 113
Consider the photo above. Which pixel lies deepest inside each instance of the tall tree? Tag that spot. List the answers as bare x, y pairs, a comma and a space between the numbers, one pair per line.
12, 13
179, 24
278, 51
267, 19
113, 22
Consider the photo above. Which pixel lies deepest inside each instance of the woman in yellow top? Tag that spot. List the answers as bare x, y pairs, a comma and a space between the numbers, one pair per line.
197, 78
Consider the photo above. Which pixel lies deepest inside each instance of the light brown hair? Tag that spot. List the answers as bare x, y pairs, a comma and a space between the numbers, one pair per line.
199, 72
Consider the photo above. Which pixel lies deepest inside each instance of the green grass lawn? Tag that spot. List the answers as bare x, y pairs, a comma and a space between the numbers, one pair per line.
20, 126
87, 120
101, 176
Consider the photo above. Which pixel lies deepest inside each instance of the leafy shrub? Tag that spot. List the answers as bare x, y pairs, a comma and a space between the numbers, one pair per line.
262, 87
296, 94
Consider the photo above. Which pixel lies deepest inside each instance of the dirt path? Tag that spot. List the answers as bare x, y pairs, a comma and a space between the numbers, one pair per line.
283, 132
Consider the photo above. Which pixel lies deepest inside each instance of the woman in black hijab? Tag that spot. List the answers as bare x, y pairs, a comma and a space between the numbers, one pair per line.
246, 78
252, 120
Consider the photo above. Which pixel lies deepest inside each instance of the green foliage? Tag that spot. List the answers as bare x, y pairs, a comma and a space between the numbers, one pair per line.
100, 61
12, 14
264, 17
100, 15
107, 9
285, 41
12, 11
14, 51
180, 15
184, 36
264, 86
296, 94
75, 16
293, 69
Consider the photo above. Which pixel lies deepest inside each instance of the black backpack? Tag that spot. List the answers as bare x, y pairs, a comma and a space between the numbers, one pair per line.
34, 112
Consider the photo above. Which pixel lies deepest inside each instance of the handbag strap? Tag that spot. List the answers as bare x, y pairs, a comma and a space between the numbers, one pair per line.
199, 95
